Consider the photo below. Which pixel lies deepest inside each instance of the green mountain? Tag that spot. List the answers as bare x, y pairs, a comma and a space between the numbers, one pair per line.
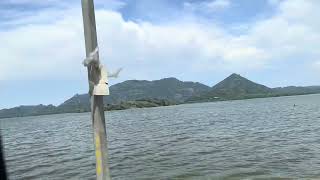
163, 92
128, 94
167, 88
170, 89
233, 87
236, 85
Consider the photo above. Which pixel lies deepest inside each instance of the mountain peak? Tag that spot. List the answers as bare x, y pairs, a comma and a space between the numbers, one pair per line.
235, 75
235, 86
169, 79
232, 81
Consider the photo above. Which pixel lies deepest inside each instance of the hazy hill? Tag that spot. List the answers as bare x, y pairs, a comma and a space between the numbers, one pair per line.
27, 111
297, 90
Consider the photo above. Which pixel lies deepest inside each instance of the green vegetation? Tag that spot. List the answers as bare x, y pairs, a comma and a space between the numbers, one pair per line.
142, 103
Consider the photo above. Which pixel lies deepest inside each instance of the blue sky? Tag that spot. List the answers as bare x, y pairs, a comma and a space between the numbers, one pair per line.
272, 42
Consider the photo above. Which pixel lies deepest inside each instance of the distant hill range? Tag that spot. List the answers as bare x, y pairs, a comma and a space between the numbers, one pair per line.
163, 92
237, 87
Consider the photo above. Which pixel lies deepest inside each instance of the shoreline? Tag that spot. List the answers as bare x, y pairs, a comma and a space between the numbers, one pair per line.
160, 105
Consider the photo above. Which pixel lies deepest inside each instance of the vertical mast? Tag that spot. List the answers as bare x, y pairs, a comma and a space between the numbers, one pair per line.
97, 107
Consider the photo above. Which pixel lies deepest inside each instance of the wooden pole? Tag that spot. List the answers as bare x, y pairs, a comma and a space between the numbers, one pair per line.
97, 107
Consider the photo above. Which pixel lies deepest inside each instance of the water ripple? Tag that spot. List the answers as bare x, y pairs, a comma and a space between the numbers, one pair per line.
248, 139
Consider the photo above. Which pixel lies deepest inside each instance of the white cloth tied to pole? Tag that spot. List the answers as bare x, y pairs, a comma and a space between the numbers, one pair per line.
102, 87
92, 58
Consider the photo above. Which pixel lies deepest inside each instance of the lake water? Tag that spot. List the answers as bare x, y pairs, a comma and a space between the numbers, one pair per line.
247, 139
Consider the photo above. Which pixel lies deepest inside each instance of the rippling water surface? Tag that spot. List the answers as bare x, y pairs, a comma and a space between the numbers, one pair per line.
248, 139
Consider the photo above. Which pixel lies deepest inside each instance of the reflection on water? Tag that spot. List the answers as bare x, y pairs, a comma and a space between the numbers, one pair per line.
247, 139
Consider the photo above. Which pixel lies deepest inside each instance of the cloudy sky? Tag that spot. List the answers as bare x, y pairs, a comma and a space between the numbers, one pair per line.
273, 42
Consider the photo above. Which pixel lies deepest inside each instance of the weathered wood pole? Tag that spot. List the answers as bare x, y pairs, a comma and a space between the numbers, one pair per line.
97, 107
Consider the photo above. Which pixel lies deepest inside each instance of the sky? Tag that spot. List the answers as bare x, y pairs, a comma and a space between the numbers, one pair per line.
272, 42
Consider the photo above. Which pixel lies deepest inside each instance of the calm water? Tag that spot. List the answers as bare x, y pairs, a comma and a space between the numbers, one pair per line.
248, 139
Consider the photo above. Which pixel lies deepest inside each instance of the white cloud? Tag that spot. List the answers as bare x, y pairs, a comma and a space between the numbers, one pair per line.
291, 32
146, 50
217, 4
207, 6
36, 51
40, 50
